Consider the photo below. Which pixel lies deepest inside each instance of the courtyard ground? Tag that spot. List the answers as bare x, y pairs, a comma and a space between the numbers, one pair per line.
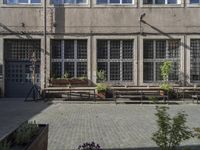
110, 125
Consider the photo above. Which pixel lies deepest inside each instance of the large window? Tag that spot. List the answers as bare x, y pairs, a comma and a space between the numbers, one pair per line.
161, 2
194, 1
155, 52
59, 2
195, 60
115, 58
22, 1
114, 1
69, 56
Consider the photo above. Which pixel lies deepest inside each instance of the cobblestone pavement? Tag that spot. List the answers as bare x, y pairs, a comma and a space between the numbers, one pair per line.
112, 126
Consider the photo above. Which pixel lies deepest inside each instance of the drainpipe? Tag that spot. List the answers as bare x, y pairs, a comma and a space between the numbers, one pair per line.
45, 40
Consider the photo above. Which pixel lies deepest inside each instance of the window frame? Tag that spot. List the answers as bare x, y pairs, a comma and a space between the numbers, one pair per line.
156, 60
63, 3
121, 60
18, 3
75, 60
116, 4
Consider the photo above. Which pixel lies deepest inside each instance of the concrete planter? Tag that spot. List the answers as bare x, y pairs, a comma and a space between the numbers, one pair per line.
39, 142
68, 82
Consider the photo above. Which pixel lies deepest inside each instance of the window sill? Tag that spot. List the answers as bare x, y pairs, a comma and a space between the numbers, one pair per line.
193, 5
161, 5
21, 5
114, 5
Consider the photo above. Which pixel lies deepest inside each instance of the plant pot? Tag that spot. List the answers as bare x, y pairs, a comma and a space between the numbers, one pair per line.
78, 82
101, 95
38, 142
59, 82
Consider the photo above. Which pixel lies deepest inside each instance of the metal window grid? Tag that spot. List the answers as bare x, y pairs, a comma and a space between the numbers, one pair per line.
195, 60
117, 59
77, 50
161, 50
21, 50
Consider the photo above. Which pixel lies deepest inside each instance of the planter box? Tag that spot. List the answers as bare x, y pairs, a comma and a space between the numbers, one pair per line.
68, 82
39, 142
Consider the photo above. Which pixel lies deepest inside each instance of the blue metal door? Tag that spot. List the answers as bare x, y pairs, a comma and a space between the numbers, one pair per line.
18, 66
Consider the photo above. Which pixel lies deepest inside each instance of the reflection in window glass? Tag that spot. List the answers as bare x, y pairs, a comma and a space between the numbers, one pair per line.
194, 1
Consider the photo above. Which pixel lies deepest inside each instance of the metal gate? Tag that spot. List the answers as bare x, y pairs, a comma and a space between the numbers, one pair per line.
18, 66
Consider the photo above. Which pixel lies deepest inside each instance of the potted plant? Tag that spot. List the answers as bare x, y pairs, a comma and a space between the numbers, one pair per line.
64, 81
101, 90
28, 136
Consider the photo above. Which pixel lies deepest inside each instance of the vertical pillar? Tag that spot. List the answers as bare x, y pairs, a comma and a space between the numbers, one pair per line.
94, 59
2, 76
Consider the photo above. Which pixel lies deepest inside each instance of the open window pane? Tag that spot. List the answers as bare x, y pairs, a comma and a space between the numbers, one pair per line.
69, 49
160, 49
148, 71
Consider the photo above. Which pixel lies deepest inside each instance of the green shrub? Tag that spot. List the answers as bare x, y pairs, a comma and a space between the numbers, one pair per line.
101, 87
4, 145
26, 132
171, 131
101, 76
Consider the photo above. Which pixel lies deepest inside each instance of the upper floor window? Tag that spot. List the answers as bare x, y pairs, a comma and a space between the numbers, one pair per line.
23, 1
59, 2
114, 1
161, 2
194, 1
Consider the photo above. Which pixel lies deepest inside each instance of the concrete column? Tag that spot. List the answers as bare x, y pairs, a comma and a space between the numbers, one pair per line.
94, 59
140, 60
2, 77
89, 57
182, 61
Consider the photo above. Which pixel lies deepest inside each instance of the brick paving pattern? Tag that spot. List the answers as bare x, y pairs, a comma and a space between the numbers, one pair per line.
112, 126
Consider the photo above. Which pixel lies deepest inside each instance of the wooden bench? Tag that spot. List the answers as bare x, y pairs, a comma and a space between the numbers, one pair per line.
82, 92
140, 93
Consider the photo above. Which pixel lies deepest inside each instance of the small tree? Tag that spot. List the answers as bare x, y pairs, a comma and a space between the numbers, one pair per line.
171, 131
165, 71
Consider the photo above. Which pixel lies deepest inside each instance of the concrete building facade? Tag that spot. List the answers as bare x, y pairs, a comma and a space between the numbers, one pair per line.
128, 39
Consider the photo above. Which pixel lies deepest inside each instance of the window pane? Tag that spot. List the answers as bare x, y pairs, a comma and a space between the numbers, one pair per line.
103, 66
127, 70
148, 49
161, 49
114, 71
11, 1
114, 49
35, 1
82, 69
194, 60
69, 49
102, 49
69, 1
147, 1
126, 1
81, 49
56, 49
102, 1
158, 71
173, 48
56, 70
69, 68
174, 74
127, 49
194, 1
81, 1
148, 71
114, 1
57, 2
23, 1
172, 2
160, 1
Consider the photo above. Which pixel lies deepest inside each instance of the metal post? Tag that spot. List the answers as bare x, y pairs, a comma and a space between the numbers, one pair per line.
45, 39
